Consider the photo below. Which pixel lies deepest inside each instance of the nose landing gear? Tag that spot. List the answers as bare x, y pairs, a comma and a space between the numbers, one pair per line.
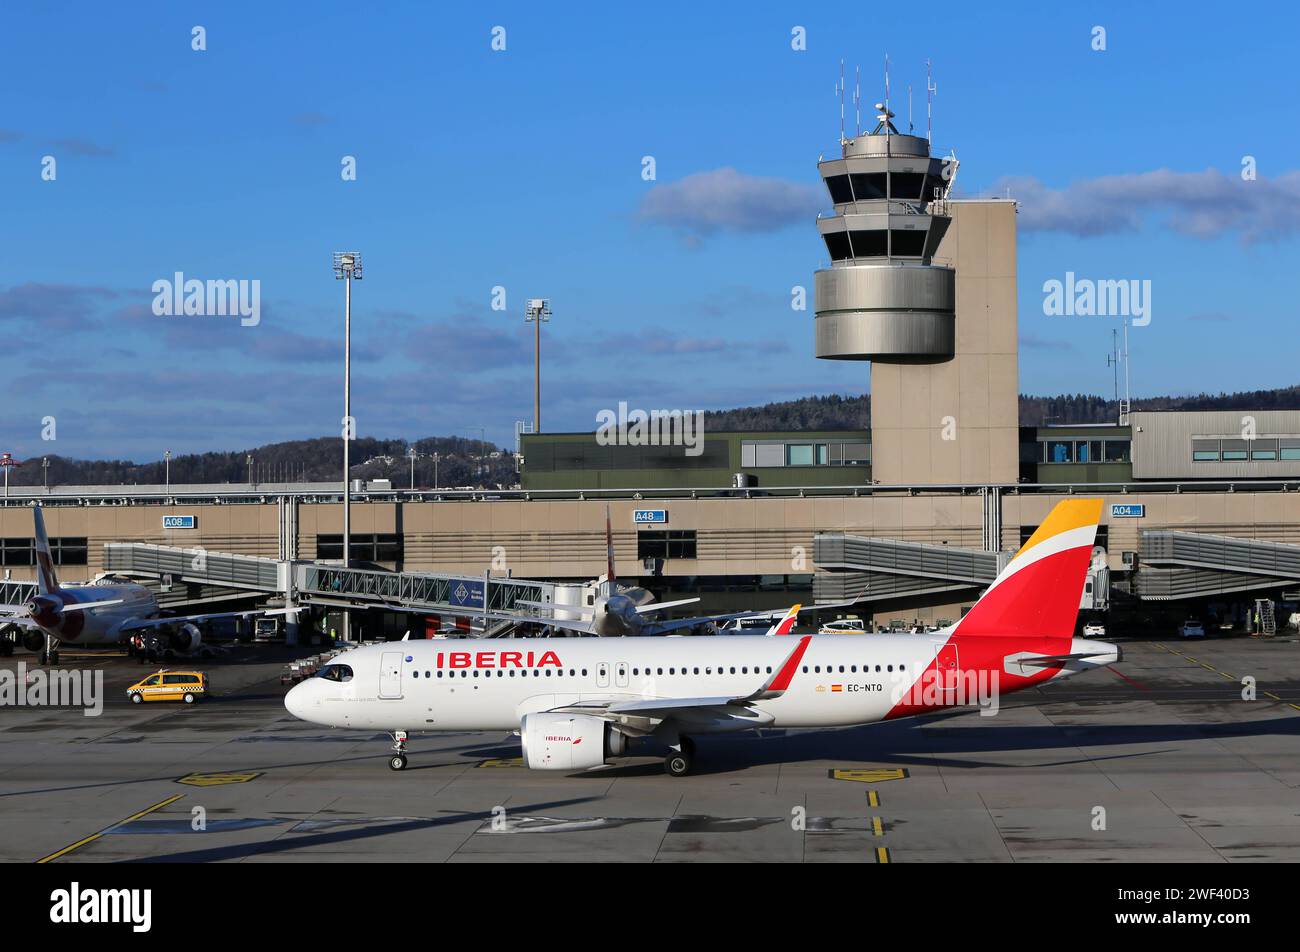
398, 760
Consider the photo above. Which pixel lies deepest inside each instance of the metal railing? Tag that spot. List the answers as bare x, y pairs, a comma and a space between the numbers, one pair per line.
147, 496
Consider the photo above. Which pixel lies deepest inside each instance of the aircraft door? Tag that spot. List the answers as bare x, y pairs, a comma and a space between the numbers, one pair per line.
947, 671
390, 674
620, 674
602, 674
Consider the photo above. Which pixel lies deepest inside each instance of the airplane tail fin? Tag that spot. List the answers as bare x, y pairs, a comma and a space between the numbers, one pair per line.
611, 578
1038, 593
46, 581
786, 625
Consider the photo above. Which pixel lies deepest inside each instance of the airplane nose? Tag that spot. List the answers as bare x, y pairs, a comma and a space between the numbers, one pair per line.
298, 701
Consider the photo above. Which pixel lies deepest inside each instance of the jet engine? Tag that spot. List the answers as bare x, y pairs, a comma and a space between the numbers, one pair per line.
186, 638
33, 639
568, 741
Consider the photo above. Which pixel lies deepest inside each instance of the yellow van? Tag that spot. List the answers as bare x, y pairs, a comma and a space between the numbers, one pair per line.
186, 686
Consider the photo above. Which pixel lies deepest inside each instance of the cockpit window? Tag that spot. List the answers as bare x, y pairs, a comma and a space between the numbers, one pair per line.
335, 672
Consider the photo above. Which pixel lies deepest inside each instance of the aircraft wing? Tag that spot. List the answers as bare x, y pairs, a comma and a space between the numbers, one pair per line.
139, 624
661, 709
660, 606
659, 627
23, 621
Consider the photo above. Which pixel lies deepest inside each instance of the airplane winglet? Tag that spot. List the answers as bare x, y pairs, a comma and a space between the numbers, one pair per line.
786, 625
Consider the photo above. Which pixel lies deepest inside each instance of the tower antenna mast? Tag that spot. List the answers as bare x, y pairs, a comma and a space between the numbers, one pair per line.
886, 82
931, 90
839, 91
857, 100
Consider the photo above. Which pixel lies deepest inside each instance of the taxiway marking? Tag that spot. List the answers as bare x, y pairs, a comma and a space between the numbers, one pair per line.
94, 836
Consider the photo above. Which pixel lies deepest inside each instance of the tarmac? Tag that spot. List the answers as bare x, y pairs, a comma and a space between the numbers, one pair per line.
1158, 759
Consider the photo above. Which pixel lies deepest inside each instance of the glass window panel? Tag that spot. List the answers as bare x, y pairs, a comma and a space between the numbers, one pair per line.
837, 244
868, 186
1117, 451
870, 244
799, 454
908, 243
838, 186
769, 454
857, 454
1060, 451
906, 185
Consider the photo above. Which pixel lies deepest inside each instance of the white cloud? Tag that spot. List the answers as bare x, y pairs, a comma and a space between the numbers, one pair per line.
727, 200
1205, 204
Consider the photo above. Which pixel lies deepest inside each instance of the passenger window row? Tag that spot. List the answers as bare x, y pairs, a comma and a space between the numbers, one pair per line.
637, 672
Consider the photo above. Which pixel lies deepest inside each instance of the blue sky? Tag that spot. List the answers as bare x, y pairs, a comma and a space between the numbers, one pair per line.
522, 169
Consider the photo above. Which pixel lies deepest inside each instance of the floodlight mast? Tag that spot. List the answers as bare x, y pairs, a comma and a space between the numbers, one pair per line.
537, 311
347, 265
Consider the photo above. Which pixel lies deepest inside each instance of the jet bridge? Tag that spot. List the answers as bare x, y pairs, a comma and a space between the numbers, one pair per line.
863, 568
308, 583
1176, 565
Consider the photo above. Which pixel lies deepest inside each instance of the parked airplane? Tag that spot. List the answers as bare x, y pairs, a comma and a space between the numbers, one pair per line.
578, 703
106, 612
614, 611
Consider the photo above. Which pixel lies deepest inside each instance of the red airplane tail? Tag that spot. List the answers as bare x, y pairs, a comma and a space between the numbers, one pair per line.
1037, 595
47, 582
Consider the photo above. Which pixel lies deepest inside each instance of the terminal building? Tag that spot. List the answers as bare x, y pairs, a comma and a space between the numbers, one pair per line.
910, 518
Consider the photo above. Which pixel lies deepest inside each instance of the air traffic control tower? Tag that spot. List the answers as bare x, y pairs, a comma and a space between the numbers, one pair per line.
924, 287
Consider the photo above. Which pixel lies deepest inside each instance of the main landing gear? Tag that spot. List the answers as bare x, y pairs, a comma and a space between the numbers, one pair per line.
680, 759
50, 654
398, 760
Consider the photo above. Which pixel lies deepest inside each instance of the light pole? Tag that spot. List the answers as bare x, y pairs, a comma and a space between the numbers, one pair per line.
435, 470
412, 455
537, 312
347, 265
167, 471
8, 462
249, 460
45, 467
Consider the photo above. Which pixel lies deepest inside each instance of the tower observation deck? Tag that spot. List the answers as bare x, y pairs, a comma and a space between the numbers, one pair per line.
883, 299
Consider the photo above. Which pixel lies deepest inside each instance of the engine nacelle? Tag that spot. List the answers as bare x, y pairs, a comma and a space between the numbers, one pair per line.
33, 639
568, 741
187, 637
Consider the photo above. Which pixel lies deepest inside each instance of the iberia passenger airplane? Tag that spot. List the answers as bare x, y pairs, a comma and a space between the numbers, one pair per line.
577, 703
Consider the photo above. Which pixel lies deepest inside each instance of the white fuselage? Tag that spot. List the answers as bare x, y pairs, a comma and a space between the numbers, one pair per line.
490, 685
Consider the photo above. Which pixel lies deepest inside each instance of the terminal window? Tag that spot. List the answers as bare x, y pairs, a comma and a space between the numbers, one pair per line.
1263, 449
68, 550
765, 453
671, 544
1068, 450
366, 547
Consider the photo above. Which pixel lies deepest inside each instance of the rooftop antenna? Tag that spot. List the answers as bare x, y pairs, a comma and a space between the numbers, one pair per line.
839, 91
857, 99
931, 90
1112, 359
1126, 405
886, 81
910, 127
